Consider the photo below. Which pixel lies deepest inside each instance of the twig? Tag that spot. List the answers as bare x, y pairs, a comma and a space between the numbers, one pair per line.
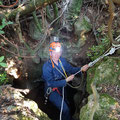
47, 29
19, 32
17, 54
9, 6
8, 41
43, 18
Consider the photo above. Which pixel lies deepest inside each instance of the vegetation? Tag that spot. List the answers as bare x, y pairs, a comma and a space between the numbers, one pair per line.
1, 62
4, 23
27, 43
3, 76
74, 10
98, 50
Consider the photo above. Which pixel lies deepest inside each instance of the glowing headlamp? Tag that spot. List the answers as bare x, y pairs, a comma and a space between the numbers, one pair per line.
57, 49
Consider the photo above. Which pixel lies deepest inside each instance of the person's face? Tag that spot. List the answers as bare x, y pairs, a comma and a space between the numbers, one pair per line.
55, 55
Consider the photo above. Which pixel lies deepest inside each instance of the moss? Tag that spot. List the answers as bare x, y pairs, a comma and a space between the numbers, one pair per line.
90, 77
108, 72
74, 9
105, 111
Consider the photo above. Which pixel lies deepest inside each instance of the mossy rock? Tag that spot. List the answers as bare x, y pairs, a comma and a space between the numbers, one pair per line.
105, 72
82, 24
16, 107
34, 31
107, 108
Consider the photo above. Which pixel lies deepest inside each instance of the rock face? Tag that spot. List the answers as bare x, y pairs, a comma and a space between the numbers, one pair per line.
106, 72
105, 76
34, 31
82, 26
107, 108
13, 105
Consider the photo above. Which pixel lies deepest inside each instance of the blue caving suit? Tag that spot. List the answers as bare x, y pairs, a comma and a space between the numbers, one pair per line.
53, 78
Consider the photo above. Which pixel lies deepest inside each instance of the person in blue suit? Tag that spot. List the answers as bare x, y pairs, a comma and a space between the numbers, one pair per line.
55, 72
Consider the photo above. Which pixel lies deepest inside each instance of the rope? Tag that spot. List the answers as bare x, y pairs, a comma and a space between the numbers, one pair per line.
63, 68
62, 89
111, 51
66, 75
78, 86
62, 104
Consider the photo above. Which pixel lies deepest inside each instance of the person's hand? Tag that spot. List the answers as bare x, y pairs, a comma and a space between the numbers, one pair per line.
84, 68
70, 78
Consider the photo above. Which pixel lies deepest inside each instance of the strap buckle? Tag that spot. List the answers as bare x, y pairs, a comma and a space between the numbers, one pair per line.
48, 92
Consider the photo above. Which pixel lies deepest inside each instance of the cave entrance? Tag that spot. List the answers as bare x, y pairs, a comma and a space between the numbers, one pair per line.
74, 99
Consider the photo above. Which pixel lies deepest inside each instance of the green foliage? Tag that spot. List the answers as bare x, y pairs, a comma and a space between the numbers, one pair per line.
75, 7
1, 62
86, 24
98, 50
74, 10
101, 29
3, 78
107, 107
4, 23
1, 2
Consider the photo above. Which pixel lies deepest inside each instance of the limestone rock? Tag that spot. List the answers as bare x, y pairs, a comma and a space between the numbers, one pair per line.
34, 31
105, 72
106, 77
13, 105
108, 108
82, 26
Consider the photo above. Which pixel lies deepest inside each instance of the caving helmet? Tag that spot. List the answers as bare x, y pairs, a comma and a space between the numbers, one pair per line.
55, 45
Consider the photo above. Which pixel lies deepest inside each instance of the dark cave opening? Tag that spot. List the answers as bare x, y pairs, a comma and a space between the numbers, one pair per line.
37, 94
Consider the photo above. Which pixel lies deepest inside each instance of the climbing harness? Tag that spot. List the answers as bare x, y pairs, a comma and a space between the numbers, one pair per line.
48, 92
56, 89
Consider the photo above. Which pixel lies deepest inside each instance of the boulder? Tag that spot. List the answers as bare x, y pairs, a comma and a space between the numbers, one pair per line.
14, 106
107, 109
105, 72
82, 26
105, 75
34, 32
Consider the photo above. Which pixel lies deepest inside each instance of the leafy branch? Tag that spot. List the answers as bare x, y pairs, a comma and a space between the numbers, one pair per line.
1, 62
4, 23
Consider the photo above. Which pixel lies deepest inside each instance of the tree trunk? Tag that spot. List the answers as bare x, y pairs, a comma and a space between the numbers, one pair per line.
28, 8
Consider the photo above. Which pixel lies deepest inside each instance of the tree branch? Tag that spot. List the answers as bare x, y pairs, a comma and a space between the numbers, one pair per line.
28, 8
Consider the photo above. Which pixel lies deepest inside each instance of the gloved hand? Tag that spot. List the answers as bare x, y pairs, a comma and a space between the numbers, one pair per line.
84, 68
70, 78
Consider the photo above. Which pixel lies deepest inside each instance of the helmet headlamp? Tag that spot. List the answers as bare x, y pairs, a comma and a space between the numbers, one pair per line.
55, 46
57, 49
